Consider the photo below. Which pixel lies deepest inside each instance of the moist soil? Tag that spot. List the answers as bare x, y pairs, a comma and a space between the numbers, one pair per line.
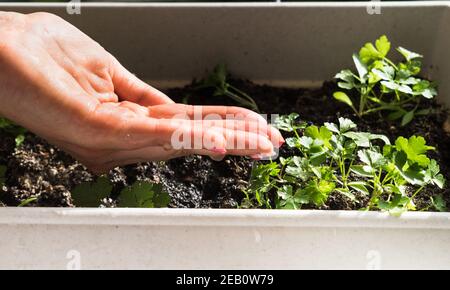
37, 169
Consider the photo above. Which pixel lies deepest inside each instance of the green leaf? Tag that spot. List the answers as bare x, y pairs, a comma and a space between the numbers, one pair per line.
409, 55
306, 142
439, 203
382, 75
13, 129
415, 149
143, 195
19, 139
289, 123
289, 200
348, 79
360, 67
414, 175
363, 139
383, 45
285, 192
400, 159
322, 134
293, 142
362, 170
344, 85
318, 158
90, 194
439, 180
261, 181
433, 175
298, 167
396, 206
343, 97
407, 118
317, 192
407, 81
27, 201
413, 67
160, 197
370, 53
345, 192
425, 88
423, 112
396, 114
373, 78
397, 87
359, 186
332, 127
345, 75
346, 125
372, 158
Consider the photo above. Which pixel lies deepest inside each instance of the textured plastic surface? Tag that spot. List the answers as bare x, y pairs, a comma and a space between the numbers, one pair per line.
280, 44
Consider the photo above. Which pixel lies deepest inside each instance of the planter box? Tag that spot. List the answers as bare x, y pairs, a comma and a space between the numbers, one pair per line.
280, 44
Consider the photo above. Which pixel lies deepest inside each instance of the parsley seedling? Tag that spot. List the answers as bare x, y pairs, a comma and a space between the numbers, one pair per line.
144, 195
338, 159
382, 85
140, 194
11, 128
218, 81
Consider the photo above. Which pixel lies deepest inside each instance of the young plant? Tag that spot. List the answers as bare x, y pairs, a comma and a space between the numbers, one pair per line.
11, 128
381, 85
143, 195
140, 194
91, 194
337, 159
218, 81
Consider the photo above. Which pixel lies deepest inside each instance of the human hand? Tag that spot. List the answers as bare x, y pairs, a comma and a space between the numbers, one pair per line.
62, 85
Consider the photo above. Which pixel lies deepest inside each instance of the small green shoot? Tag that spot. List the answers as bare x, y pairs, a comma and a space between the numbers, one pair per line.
218, 81
13, 129
27, 201
381, 85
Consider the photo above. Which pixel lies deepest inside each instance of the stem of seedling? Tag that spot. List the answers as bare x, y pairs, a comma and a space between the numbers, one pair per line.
417, 191
245, 98
390, 62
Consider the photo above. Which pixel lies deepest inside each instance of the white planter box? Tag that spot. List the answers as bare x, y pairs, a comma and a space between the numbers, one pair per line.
280, 44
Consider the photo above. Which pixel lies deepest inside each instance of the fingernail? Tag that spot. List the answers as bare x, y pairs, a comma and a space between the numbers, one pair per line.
281, 142
219, 150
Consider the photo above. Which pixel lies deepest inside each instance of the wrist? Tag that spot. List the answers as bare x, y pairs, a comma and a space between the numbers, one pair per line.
11, 24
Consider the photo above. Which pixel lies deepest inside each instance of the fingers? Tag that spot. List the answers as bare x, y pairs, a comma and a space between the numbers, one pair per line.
260, 128
130, 88
127, 126
144, 139
220, 116
168, 111
225, 136
213, 143
126, 132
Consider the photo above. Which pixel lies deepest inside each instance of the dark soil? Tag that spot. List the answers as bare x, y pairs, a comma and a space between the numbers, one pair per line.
39, 169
